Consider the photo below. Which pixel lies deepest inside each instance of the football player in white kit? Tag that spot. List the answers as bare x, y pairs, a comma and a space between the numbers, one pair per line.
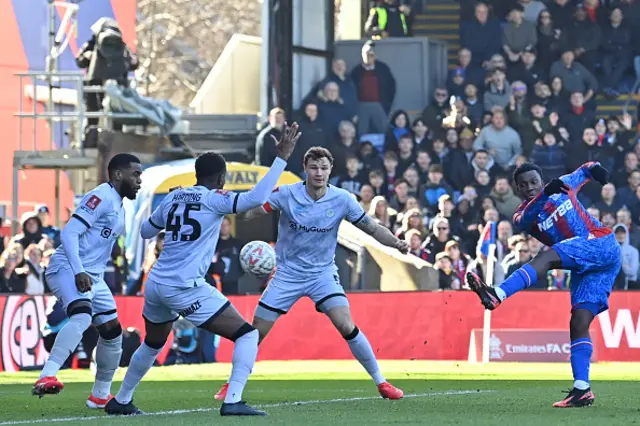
75, 276
176, 285
310, 215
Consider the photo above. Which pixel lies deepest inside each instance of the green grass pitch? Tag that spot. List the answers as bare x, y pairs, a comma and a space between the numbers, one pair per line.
337, 392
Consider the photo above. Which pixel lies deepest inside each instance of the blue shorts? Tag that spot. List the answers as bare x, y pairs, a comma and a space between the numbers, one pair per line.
594, 265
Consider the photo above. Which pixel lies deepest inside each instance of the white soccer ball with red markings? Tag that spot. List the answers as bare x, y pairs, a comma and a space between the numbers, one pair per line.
258, 258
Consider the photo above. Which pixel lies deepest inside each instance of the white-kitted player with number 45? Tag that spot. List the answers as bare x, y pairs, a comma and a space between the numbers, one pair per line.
176, 286
310, 215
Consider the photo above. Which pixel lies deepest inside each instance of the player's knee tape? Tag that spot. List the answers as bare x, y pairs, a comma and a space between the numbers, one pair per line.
111, 332
80, 306
154, 345
246, 328
353, 334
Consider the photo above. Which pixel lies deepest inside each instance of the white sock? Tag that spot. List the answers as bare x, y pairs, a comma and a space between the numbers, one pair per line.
581, 384
244, 357
362, 351
500, 293
66, 342
141, 361
108, 354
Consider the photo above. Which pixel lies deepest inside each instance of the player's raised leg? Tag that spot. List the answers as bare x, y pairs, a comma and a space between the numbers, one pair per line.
340, 316
492, 297
109, 348
78, 308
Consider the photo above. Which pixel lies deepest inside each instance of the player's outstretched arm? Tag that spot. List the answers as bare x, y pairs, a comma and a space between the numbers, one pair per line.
259, 194
582, 175
70, 237
253, 213
381, 234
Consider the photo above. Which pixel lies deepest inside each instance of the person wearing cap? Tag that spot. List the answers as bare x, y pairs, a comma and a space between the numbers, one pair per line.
527, 70
47, 228
583, 37
630, 256
448, 279
517, 34
456, 82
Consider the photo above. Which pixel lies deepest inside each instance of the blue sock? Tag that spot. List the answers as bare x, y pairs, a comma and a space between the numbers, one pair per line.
519, 280
581, 350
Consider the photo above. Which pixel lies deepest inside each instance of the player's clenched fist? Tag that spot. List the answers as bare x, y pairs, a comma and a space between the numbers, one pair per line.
556, 186
402, 246
287, 142
83, 282
600, 174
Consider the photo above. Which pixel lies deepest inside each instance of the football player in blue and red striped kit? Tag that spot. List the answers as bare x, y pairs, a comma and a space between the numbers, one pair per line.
578, 242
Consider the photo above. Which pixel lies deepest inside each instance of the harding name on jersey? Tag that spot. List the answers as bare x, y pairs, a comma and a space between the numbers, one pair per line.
560, 211
186, 197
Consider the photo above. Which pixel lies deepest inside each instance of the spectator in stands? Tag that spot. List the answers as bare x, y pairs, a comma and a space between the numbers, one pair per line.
346, 145
377, 182
447, 209
562, 12
630, 256
381, 212
411, 220
439, 150
265, 143
558, 100
506, 200
527, 70
459, 260
620, 177
313, 134
548, 40
609, 203
370, 157
365, 196
47, 228
415, 242
347, 88
400, 196
351, 181
583, 37
522, 255
388, 20
227, 259
577, 119
390, 162
413, 179
448, 279
595, 13
482, 161
621, 137
575, 77
35, 280
473, 73
456, 82
31, 230
456, 166
475, 108
398, 127
423, 161
12, 274
623, 216
608, 219
483, 183
376, 89
435, 187
440, 235
498, 91
517, 35
438, 109
332, 109
532, 10
511, 247
421, 134
549, 155
500, 140
616, 48
482, 36
479, 266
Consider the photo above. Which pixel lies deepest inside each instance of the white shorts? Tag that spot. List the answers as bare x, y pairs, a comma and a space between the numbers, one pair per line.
62, 283
198, 304
285, 289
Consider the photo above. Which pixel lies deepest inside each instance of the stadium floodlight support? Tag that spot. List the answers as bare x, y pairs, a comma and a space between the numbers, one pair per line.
486, 327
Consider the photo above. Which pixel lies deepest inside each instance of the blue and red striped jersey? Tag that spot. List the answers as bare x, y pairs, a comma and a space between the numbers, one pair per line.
558, 217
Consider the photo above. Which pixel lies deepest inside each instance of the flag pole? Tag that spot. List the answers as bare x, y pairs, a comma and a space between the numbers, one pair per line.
486, 328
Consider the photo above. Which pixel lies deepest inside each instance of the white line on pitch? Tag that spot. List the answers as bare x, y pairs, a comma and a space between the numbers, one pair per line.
210, 409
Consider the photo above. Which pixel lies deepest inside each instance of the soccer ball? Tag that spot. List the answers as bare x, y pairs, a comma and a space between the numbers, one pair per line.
258, 258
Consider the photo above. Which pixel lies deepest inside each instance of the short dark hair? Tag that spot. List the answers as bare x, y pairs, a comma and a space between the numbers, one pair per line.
435, 168
315, 153
121, 161
526, 167
400, 182
406, 136
376, 172
210, 164
502, 177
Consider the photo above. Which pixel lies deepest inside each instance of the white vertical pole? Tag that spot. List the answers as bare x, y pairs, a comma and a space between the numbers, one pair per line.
486, 328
